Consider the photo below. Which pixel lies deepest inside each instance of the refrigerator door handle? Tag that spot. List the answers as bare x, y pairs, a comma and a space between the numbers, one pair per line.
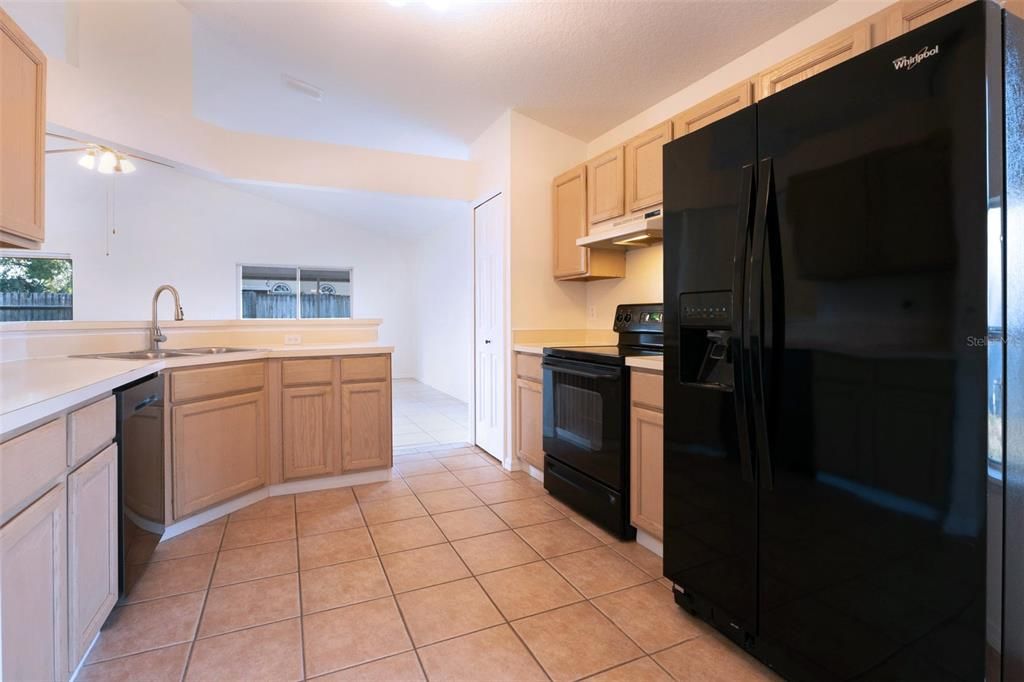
741, 398
755, 320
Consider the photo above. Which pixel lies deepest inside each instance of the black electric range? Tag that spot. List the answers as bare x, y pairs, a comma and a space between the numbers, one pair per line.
586, 418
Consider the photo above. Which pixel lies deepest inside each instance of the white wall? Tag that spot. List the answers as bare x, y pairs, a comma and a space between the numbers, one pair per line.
442, 283
643, 281
192, 232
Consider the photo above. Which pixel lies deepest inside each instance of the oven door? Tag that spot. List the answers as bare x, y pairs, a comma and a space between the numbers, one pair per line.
585, 419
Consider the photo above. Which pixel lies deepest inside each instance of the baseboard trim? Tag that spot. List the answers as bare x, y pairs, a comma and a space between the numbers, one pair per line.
652, 543
288, 488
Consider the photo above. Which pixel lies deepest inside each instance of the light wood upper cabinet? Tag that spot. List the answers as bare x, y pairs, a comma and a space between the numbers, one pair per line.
606, 184
647, 435
714, 108
569, 201
812, 61
530, 421
22, 137
569, 223
33, 582
908, 15
643, 167
309, 431
92, 549
219, 450
365, 425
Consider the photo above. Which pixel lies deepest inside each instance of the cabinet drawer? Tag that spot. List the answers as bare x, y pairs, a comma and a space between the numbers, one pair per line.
206, 382
312, 371
371, 368
90, 429
528, 367
30, 463
646, 389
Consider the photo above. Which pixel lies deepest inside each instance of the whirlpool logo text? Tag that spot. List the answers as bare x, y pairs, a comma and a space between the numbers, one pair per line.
906, 63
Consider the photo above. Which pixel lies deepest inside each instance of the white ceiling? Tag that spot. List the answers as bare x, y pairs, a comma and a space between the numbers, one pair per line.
416, 80
403, 216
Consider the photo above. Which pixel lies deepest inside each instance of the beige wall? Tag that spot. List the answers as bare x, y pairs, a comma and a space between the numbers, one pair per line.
538, 301
643, 282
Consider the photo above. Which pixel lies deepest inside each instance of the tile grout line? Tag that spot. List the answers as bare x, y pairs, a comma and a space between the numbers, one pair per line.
398, 607
202, 609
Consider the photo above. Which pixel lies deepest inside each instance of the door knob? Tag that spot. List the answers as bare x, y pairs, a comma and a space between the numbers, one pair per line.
487, 340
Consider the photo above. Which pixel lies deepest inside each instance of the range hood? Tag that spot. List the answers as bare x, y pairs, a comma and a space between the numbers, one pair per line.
628, 233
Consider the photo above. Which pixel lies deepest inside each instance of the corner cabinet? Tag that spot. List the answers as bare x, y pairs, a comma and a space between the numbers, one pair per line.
529, 410
218, 434
643, 167
646, 453
365, 412
569, 222
22, 137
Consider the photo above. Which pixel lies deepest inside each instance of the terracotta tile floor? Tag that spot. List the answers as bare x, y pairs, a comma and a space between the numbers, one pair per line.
454, 570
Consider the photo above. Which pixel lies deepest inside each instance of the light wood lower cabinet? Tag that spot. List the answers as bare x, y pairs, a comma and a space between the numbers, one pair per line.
219, 450
92, 549
308, 431
365, 425
33, 586
530, 421
646, 456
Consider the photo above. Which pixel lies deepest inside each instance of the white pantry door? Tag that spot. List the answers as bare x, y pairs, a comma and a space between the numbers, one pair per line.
489, 331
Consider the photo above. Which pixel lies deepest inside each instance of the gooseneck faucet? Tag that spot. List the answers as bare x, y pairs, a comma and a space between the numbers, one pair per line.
158, 335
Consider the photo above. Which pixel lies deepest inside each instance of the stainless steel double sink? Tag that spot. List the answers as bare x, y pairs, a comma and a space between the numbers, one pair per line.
168, 353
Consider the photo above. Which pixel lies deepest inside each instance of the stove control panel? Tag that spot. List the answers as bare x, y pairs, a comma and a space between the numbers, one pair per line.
643, 318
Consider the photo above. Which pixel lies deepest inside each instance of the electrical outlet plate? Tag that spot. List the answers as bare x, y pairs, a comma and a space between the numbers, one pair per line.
592, 312
292, 339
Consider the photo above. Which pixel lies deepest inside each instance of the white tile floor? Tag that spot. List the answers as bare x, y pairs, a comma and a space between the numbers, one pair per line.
425, 416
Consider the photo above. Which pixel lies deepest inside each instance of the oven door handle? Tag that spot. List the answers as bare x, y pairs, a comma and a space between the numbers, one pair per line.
581, 369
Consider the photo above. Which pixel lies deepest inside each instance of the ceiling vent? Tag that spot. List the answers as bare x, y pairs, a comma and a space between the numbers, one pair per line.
308, 89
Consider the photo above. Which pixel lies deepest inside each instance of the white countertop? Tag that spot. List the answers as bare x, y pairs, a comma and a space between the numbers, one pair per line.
652, 362
31, 390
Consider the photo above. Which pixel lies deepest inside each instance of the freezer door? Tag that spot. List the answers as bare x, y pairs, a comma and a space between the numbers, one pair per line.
710, 496
870, 330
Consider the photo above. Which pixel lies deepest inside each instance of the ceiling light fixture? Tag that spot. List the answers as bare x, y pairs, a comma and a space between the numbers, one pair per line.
101, 158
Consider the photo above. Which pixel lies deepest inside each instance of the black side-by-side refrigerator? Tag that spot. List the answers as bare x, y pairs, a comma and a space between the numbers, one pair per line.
844, 304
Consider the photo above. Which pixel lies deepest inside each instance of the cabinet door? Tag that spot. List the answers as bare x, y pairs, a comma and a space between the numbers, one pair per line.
33, 600
814, 60
529, 422
714, 108
22, 136
219, 450
606, 186
647, 445
92, 550
569, 201
308, 431
906, 16
365, 425
643, 167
